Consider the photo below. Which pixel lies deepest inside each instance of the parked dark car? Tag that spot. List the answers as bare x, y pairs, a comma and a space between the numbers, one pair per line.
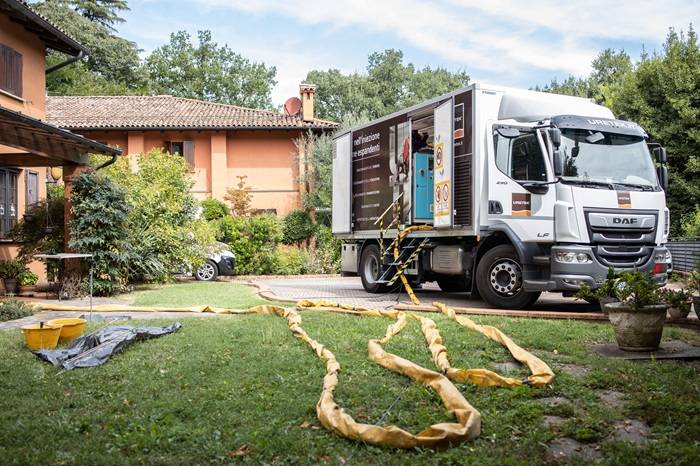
220, 263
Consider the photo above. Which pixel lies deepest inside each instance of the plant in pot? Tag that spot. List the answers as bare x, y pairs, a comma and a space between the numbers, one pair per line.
638, 318
694, 285
678, 302
604, 294
27, 281
10, 270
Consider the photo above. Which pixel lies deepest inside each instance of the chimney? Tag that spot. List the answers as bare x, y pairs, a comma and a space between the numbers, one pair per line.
307, 92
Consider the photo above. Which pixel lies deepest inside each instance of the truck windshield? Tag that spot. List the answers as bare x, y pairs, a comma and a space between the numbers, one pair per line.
607, 160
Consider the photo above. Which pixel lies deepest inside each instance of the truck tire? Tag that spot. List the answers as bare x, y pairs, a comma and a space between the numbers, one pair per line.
499, 279
454, 284
370, 266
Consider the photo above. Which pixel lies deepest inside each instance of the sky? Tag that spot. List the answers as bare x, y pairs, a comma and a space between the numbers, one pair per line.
504, 42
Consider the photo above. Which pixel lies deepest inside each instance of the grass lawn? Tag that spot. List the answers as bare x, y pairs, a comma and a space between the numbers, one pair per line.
195, 293
243, 389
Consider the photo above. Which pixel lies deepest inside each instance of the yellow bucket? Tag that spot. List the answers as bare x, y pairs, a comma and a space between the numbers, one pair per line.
41, 337
71, 328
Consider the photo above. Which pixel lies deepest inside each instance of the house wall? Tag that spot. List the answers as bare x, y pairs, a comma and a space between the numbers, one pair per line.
267, 158
32, 102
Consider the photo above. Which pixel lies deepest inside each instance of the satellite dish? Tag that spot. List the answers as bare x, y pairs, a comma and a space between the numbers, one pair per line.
292, 106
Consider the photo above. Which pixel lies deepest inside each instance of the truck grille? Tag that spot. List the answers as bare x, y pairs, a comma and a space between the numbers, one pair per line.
622, 239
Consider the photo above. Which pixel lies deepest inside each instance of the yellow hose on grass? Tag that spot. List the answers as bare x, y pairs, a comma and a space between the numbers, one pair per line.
467, 419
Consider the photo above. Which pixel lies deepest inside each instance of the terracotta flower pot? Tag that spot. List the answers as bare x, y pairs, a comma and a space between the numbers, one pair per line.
637, 329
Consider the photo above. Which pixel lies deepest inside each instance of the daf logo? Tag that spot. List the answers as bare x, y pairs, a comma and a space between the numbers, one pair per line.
624, 221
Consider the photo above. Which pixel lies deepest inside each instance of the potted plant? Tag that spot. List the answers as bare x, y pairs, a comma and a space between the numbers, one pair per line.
694, 285
604, 294
678, 302
638, 319
27, 281
10, 270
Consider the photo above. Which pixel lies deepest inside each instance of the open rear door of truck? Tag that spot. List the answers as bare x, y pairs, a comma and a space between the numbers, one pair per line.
443, 179
342, 184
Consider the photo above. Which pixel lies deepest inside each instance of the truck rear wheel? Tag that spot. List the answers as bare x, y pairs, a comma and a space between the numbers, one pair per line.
500, 281
370, 269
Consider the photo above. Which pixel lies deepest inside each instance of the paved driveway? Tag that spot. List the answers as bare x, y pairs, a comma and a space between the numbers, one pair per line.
349, 290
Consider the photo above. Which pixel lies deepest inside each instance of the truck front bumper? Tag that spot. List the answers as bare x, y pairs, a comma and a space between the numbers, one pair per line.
568, 276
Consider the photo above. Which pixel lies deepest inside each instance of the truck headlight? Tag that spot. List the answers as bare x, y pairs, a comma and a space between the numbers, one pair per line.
572, 257
663, 257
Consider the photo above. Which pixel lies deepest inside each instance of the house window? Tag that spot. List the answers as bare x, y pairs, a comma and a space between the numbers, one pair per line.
8, 201
184, 149
10, 70
32, 188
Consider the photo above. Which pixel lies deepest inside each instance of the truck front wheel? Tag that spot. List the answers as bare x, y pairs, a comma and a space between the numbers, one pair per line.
499, 279
370, 269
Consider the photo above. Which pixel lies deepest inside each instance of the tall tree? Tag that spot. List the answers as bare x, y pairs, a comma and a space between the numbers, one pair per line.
104, 12
208, 71
113, 66
388, 85
663, 95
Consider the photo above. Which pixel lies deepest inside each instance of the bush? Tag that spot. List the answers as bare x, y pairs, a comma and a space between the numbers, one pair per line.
28, 278
254, 241
12, 268
637, 289
690, 226
327, 256
11, 309
100, 227
214, 209
292, 260
297, 226
163, 232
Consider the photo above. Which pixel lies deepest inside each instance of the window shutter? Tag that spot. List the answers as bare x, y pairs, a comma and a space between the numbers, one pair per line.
188, 149
10, 70
32, 187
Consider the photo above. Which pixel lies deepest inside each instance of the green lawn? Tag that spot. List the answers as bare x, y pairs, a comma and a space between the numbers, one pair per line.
223, 383
194, 293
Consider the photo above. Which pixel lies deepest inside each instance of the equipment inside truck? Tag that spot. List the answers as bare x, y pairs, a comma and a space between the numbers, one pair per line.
422, 136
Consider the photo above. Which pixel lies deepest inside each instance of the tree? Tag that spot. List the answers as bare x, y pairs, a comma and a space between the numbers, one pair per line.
388, 85
112, 67
208, 71
661, 94
239, 197
104, 12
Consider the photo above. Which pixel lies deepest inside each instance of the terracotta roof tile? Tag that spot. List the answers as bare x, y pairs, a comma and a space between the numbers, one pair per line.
165, 112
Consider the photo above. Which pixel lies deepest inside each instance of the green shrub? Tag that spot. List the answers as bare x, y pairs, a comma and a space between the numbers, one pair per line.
28, 278
293, 260
11, 309
297, 226
327, 254
254, 241
690, 225
163, 232
100, 227
213, 209
638, 289
12, 268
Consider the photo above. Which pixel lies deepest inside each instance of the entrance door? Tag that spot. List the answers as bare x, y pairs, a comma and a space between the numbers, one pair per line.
423, 187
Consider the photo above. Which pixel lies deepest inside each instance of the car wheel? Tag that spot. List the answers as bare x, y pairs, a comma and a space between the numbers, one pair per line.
499, 278
208, 272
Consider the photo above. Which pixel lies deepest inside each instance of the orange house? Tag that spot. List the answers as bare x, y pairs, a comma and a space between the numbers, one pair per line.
28, 145
220, 142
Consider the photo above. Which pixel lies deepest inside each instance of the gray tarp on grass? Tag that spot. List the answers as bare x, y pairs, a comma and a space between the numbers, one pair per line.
96, 349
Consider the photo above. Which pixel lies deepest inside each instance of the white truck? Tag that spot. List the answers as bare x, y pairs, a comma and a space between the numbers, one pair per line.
518, 192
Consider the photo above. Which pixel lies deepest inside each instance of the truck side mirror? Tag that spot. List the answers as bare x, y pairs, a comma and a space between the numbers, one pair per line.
558, 157
555, 136
662, 173
660, 154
